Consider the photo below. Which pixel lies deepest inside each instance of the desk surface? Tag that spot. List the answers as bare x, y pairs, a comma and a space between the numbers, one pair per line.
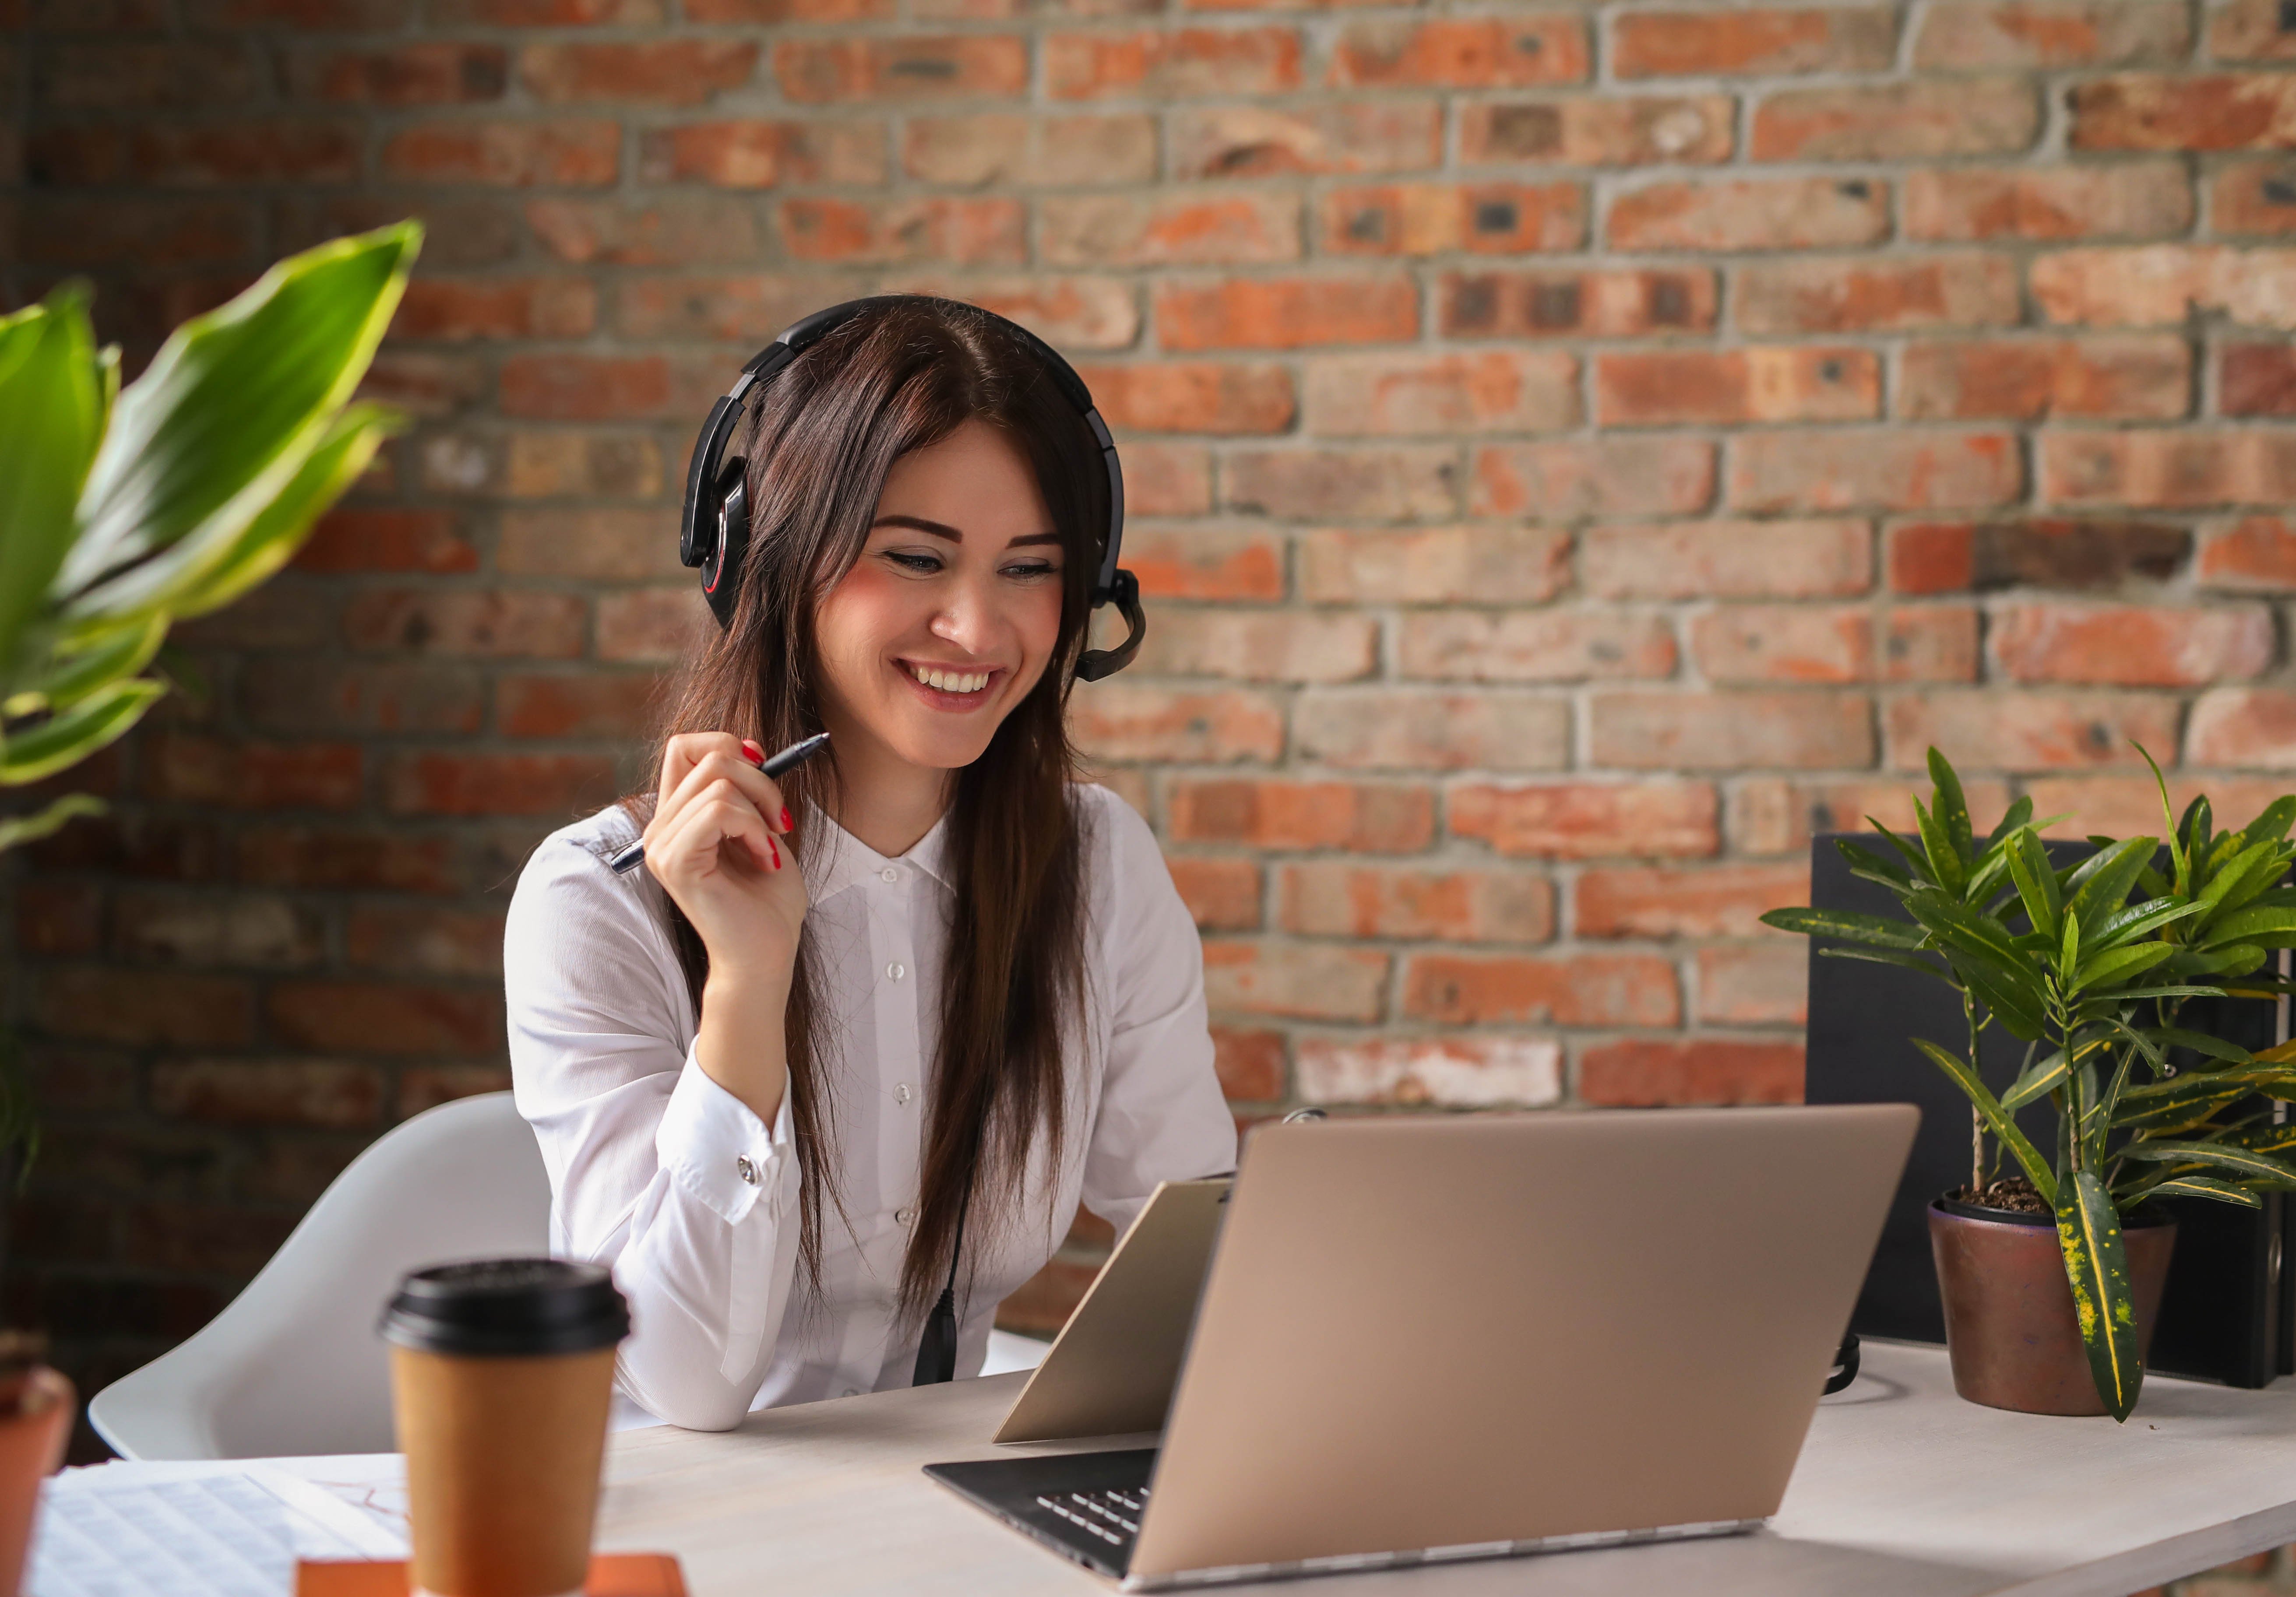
1903, 1490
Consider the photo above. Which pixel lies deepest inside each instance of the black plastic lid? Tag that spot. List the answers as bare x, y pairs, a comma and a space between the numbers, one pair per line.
507, 1306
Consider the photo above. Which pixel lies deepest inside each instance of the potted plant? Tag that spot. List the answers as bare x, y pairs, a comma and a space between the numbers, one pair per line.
2060, 1265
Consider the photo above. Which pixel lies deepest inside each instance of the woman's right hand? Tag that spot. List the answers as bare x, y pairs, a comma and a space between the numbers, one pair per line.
716, 845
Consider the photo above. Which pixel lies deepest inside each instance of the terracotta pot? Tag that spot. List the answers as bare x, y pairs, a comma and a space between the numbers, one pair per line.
2009, 1325
33, 1433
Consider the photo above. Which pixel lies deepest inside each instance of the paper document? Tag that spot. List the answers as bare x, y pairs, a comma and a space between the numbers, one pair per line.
191, 1530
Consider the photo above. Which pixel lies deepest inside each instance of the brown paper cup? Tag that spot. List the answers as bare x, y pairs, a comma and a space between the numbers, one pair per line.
501, 1415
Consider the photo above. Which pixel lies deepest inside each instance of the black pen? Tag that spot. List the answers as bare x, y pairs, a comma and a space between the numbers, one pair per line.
789, 759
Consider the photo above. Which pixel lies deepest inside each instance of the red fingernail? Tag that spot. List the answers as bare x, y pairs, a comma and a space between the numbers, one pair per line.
756, 755
787, 825
777, 852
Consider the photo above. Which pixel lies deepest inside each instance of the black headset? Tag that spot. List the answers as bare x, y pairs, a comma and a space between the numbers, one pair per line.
714, 531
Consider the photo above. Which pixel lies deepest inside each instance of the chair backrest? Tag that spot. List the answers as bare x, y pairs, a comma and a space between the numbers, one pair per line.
293, 1365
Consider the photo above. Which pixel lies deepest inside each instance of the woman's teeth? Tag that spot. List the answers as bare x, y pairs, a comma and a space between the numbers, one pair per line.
951, 682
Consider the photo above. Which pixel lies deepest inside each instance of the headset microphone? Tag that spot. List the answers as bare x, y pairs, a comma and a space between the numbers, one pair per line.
714, 531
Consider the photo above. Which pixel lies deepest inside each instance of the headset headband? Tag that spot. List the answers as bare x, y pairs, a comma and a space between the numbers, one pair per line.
713, 529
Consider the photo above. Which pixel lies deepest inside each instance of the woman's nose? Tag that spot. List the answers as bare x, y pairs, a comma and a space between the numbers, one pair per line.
966, 618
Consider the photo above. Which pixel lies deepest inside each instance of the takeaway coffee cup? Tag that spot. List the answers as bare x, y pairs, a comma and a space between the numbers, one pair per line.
501, 1373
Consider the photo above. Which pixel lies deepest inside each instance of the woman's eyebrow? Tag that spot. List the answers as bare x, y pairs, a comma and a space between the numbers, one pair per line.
942, 529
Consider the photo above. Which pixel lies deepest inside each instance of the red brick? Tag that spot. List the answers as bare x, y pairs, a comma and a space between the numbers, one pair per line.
96, 231
1726, 387
1860, 295
1441, 218
1790, 213
1338, 898
2187, 113
1304, 981
656, 624
2255, 554
1611, 304
1772, 816
242, 930
741, 306
1185, 63
2132, 645
1689, 1071
1435, 565
349, 858
1533, 645
2249, 30
585, 706
909, 67
1180, 228
362, 538
1195, 396
465, 622
2256, 380
2252, 727
2046, 204
1069, 313
1757, 643
496, 784
58, 919
1610, 476
1205, 563
2033, 380
424, 940
2253, 197
1893, 470
1222, 893
999, 147
123, 74
787, 11
296, 694
1125, 721
431, 72
1285, 313
1729, 560
1765, 984
1710, 901
585, 464
2182, 469
593, 388
1415, 394
1260, 141
651, 72
1727, 731
1403, 482
517, 154
1250, 1065
367, 1017
1361, 817
2026, 731
1575, 989
612, 545
1166, 479
181, 768
1930, 644
2165, 283
1258, 645
198, 155
1448, 1072
1466, 53
1411, 729
139, 1008
1606, 130
1966, 33
424, 383
497, 307
964, 232
1759, 42
752, 153
1956, 557
316, 1093
1918, 120
1592, 819
541, 13
2130, 806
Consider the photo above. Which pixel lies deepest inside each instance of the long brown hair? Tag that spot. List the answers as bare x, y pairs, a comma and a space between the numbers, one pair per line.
819, 440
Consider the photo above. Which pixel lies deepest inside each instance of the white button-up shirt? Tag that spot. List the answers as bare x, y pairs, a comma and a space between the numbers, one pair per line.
659, 1171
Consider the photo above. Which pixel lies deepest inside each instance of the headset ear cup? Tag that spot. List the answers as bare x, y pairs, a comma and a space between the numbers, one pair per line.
721, 567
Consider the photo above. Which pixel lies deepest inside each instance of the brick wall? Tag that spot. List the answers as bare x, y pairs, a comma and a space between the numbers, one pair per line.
1575, 452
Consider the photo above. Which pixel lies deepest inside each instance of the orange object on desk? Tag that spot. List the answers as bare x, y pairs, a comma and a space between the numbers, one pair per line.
611, 1574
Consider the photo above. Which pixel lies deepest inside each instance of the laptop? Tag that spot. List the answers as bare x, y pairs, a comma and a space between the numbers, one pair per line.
1430, 1339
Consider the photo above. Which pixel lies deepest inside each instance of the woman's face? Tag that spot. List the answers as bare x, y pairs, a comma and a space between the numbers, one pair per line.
951, 614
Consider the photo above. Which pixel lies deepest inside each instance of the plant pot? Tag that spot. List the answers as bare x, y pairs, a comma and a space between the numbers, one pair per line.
2009, 1325
34, 1430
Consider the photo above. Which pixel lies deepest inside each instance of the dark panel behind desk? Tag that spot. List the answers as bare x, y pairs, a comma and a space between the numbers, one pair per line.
2225, 1315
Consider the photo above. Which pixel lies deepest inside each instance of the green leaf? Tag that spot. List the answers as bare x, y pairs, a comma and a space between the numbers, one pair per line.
2105, 891
2200, 1042
2177, 991
2254, 924
2019, 814
2250, 873
18, 829
2178, 883
51, 417
2088, 1232
2187, 1099
1888, 956
2037, 883
2138, 919
1950, 806
1877, 931
2247, 1164
67, 678
2006, 1130
1947, 869
2038, 1080
1916, 861
2117, 964
2204, 1186
2069, 954
2194, 829
221, 422
1864, 863
71, 736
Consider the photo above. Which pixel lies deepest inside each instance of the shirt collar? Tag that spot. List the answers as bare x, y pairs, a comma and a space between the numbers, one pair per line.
839, 860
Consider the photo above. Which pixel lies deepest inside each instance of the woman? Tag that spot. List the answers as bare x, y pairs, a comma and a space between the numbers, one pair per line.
927, 981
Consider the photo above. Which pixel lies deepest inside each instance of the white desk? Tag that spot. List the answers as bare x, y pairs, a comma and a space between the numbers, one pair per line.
1903, 1490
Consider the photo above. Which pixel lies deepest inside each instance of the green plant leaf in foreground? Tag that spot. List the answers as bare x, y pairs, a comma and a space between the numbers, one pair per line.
2205, 1186
1877, 930
66, 739
2021, 1147
2096, 1265
18, 830
51, 417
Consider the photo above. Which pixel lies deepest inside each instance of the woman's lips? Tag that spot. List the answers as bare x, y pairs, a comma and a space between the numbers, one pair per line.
951, 688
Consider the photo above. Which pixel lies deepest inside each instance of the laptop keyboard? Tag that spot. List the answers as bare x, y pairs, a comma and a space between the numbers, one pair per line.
1111, 1516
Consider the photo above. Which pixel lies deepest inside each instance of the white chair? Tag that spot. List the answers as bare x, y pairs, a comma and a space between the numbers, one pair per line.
292, 1367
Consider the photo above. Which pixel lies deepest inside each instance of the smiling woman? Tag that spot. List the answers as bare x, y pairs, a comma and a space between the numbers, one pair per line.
926, 978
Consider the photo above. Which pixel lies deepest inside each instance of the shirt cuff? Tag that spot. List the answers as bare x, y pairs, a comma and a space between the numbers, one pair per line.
717, 1150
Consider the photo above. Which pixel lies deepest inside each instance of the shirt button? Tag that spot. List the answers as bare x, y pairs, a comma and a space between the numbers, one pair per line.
901, 1093
897, 969
853, 1391
889, 875
746, 1168
904, 1215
